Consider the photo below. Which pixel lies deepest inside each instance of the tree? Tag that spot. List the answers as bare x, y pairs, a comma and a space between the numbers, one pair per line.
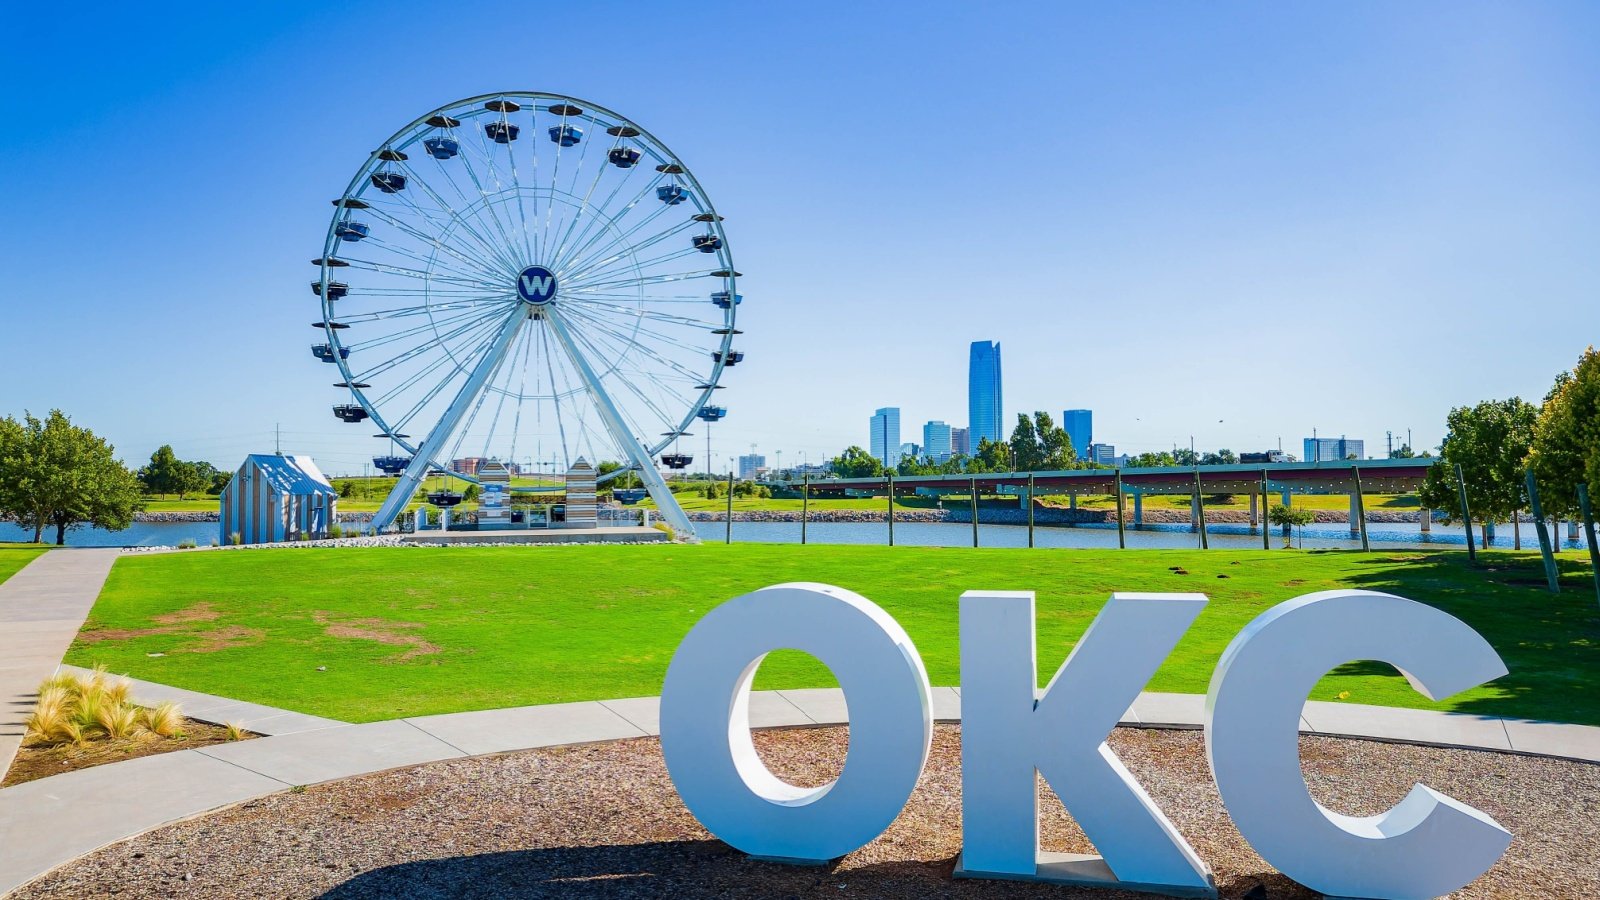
1566, 443
55, 474
347, 489
1152, 460
163, 474
855, 462
991, 456
1281, 515
1038, 444
1490, 442
1223, 457
626, 480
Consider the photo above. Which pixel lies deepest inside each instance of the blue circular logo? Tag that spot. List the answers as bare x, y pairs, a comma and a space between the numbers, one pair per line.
536, 285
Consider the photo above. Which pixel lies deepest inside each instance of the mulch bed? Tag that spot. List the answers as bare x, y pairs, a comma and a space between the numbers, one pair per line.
34, 762
604, 821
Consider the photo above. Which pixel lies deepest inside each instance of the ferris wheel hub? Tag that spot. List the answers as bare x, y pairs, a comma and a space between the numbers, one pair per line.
536, 285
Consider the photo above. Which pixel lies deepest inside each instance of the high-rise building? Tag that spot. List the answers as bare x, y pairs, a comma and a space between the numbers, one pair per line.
1328, 449
985, 404
1079, 426
886, 435
910, 449
936, 440
1105, 454
750, 464
960, 442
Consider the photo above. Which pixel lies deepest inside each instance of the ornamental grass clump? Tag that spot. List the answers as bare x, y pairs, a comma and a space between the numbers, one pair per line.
77, 709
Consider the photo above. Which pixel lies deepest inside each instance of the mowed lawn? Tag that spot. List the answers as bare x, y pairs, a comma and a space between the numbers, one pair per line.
14, 556
376, 633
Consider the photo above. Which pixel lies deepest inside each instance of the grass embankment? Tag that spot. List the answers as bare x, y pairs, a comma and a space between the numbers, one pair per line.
407, 632
14, 556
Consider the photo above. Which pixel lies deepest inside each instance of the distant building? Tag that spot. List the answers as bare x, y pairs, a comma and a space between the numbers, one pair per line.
1269, 456
750, 464
1332, 449
960, 442
1105, 454
274, 498
909, 449
936, 441
985, 400
886, 435
467, 465
1079, 426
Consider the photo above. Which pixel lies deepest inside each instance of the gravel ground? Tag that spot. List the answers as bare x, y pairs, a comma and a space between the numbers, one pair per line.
603, 821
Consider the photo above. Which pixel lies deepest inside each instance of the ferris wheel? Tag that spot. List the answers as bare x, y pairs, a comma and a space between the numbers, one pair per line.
532, 279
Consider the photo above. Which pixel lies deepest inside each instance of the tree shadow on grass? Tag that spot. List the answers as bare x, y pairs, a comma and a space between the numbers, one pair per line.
1549, 642
705, 869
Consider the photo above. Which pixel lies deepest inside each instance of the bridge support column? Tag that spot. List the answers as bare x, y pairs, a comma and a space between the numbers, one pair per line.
1426, 521
1572, 530
1138, 510
1072, 501
1355, 514
1255, 517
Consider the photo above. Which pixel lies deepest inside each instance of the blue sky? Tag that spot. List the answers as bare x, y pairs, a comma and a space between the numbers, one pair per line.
1237, 221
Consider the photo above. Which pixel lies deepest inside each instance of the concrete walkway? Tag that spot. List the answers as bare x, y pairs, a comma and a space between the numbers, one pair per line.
41, 609
91, 808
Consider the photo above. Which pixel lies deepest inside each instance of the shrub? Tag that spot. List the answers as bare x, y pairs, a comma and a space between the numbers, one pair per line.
235, 539
662, 526
75, 709
234, 730
187, 544
336, 530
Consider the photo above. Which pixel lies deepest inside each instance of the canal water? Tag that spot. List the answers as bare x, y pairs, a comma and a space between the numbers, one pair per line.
924, 534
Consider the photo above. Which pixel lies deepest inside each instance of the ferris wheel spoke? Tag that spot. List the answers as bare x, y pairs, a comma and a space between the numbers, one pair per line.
620, 238
638, 312
509, 247
476, 272
608, 268
433, 325
516, 187
633, 343
414, 352
550, 245
561, 422
408, 272
488, 270
509, 265
583, 207
608, 222
633, 388
650, 279
577, 243
454, 216
406, 312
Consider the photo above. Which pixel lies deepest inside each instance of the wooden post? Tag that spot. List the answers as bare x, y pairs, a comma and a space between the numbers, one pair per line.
728, 539
1200, 511
1122, 534
1588, 532
805, 503
1266, 507
1466, 514
1030, 510
1361, 508
889, 480
1551, 574
974, 512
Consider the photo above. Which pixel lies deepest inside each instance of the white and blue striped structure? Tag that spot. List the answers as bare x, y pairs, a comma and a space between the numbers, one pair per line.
274, 498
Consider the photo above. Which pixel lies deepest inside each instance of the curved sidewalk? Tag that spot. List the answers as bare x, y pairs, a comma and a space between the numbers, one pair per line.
91, 808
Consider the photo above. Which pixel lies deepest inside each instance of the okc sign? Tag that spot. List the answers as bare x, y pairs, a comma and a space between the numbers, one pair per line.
1427, 845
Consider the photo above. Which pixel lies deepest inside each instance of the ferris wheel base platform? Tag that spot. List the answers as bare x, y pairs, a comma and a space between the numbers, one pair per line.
629, 534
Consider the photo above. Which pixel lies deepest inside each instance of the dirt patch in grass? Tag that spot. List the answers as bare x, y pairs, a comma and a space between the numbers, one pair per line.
225, 638
200, 612
38, 761
382, 631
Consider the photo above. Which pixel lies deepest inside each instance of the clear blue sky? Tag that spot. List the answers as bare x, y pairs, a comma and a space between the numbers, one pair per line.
1237, 221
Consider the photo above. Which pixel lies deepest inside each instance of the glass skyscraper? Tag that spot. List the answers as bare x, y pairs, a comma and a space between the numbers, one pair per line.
886, 435
1079, 426
985, 407
936, 440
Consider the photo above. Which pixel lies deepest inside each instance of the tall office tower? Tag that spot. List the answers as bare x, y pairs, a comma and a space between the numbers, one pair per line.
960, 442
886, 435
936, 440
1328, 449
985, 406
1079, 426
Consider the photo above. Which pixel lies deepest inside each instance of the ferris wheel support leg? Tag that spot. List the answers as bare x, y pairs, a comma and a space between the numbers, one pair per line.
412, 477
666, 503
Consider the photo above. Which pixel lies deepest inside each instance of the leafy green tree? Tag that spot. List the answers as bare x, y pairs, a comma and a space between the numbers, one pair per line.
1159, 460
55, 474
1566, 444
1223, 457
163, 475
347, 489
1185, 457
1038, 444
471, 493
991, 456
625, 480
1297, 517
1490, 442
855, 462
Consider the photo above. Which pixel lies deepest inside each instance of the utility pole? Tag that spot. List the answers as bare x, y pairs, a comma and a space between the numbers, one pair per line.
1391, 444
277, 438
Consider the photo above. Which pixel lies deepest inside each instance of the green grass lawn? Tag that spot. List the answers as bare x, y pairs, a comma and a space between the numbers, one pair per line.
411, 631
15, 556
